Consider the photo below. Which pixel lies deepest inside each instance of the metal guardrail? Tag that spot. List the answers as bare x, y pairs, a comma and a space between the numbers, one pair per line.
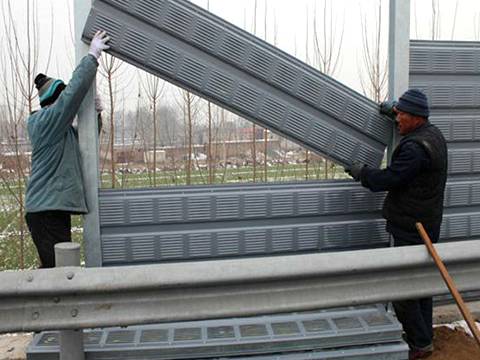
70, 298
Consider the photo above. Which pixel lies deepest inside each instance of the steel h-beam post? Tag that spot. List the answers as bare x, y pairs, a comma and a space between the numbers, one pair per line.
71, 341
87, 131
398, 55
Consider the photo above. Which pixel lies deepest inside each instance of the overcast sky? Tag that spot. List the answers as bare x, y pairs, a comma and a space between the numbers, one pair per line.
290, 17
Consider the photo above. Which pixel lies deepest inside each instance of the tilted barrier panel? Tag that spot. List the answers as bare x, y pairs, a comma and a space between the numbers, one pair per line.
190, 47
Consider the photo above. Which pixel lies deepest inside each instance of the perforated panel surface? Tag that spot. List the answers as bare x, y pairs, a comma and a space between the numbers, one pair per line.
192, 48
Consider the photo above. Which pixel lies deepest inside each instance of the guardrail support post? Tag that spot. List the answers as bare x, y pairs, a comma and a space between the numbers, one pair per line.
71, 341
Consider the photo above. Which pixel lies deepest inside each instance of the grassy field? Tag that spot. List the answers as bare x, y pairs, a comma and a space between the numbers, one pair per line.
10, 232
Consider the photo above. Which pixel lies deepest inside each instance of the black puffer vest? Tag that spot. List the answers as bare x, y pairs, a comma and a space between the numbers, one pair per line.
422, 199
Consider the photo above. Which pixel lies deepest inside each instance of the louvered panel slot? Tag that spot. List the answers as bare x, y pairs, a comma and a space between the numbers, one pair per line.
246, 98
228, 243
233, 48
311, 90
273, 110
286, 76
114, 249
463, 131
137, 43
308, 203
221, 85
465, 96
282, 240
109, 25
200, 245
143, 248
465, 62
255, 241
475, 194
193, 72
112, 212
170, 210
150, 10
199, 208
460, 162
282, 205
255, 206
357, 115
228, 207
141, 210
345, 146
177, 20
172, 246
335, 202
475, 225
443, 61
458, 195
441, 96
206, 34
334, 103
259, 62
360, 200
308, 237
419, 61
165, 59
457, 226
297, 123
323, 135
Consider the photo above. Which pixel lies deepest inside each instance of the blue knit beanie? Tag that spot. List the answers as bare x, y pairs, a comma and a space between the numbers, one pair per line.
414, 102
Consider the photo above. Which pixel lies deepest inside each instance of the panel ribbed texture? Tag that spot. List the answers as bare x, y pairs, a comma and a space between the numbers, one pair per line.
232, 221
445, 57
361, 329
192, 48
449, 73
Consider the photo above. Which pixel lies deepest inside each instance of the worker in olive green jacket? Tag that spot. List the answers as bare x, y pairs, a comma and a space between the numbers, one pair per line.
55, 187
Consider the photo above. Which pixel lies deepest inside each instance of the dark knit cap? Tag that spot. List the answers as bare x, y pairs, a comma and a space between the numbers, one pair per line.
414, 102
48, 89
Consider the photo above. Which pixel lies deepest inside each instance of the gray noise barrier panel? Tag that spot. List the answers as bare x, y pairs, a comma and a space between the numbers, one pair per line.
194, 49
393, 351
190, 223
449, 73
357, 328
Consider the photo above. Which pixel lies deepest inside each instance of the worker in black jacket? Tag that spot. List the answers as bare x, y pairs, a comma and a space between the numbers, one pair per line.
415, 182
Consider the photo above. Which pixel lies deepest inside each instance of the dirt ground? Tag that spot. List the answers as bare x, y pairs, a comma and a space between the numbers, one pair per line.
454, 344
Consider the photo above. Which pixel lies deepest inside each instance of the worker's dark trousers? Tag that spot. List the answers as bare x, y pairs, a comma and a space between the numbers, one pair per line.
415, 315
47, 229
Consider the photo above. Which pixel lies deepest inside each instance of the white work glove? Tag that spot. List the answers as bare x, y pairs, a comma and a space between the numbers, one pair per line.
99, 43
98, 104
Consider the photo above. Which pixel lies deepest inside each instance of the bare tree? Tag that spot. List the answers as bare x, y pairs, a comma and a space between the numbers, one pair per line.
454, 20
435, 29
374, 60
111, 70
153, 87
19, 65
254, 128
476, 26
327, 47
